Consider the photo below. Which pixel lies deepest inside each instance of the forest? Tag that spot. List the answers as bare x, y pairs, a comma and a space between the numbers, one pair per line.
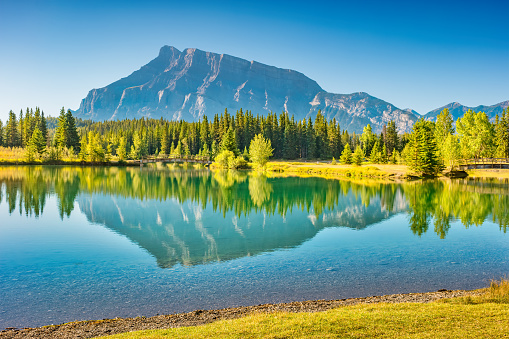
428, 149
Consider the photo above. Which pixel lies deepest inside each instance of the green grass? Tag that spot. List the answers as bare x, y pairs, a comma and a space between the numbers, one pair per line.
485, 316
329, 170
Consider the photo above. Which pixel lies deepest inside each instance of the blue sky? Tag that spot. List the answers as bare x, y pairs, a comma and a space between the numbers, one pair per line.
419, 55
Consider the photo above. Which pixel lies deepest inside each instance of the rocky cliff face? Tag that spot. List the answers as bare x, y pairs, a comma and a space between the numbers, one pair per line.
192, 83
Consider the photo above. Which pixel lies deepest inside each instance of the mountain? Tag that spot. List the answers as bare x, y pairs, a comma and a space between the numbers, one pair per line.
192, 83
457, 110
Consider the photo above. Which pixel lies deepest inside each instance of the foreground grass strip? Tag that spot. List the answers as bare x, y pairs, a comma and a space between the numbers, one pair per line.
407, 320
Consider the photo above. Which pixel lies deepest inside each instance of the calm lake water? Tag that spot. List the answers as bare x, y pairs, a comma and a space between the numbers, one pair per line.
92, 243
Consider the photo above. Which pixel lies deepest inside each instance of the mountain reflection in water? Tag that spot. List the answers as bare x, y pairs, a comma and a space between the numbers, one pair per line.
192, 217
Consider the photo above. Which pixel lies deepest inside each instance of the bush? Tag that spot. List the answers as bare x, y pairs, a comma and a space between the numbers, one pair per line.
237, 163
224, 158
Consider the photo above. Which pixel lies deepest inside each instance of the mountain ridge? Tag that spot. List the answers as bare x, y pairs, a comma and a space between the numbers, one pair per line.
457, 110
190, 84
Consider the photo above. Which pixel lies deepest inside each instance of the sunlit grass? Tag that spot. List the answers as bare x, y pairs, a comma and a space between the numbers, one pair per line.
330, 170
489, 173
482, 316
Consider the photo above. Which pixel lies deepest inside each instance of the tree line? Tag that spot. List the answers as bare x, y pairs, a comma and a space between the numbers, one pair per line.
427, 149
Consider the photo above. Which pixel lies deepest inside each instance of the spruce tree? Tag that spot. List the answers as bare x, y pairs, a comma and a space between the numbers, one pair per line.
72, 137
11, 131
346, 155
358, 156
228, 142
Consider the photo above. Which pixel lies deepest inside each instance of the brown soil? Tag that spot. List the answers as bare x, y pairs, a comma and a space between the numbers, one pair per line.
94, 328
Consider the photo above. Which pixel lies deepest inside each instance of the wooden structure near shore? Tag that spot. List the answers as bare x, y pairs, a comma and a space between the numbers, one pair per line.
483, 163
164, 158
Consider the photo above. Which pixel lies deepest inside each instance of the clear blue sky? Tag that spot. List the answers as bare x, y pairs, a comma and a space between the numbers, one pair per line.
419, 55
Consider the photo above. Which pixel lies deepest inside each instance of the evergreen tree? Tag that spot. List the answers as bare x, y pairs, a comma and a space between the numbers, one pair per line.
228, 143
502, 135
165, 147
358, 156
1, 134
367, 140
37, 140
376, 152
22, 135
11, 131
391, 137
384, 157
95, 151
310, 140
72, 138
423, 157
43, 128
61, 131
346, 155
290, 142
122, 149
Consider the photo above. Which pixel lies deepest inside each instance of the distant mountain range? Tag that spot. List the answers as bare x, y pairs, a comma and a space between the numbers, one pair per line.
457, 110
190, 84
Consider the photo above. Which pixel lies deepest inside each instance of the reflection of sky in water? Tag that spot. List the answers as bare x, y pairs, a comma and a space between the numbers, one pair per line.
106, 258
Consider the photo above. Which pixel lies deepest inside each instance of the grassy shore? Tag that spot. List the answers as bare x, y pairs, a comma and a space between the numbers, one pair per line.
483, 316
326, 169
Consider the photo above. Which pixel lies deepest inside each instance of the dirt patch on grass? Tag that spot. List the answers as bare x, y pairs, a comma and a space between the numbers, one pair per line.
95, 328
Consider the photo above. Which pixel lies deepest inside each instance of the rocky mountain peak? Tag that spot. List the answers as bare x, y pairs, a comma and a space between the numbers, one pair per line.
192, 83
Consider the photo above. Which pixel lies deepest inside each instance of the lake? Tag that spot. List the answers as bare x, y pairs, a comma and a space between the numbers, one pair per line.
103, 242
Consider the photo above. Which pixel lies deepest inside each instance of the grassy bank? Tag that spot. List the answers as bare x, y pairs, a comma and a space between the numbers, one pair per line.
329, 170
484, 316
489, 173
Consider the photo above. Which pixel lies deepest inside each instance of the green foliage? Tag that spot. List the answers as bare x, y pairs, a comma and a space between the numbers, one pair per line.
476, 135
422, 149
11, 132
260, 150
229, 143
227, 159
358, 156
367, 140
36, 145
121, 149
95, 151
346, 155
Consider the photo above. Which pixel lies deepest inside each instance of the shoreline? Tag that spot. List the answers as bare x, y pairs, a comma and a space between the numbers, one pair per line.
277, 168
95, 328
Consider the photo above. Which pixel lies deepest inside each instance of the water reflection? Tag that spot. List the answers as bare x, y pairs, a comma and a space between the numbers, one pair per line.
191, 217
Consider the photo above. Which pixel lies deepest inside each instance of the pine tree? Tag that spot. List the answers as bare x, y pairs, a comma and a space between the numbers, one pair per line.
44, 128
1, 134
422, 146
121, 149
358, 156
61, 131
11, 131
346, 155
376, 152
367, 140
71, 132
385, 157
22, 135
228, 142
391, 137
165, 148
